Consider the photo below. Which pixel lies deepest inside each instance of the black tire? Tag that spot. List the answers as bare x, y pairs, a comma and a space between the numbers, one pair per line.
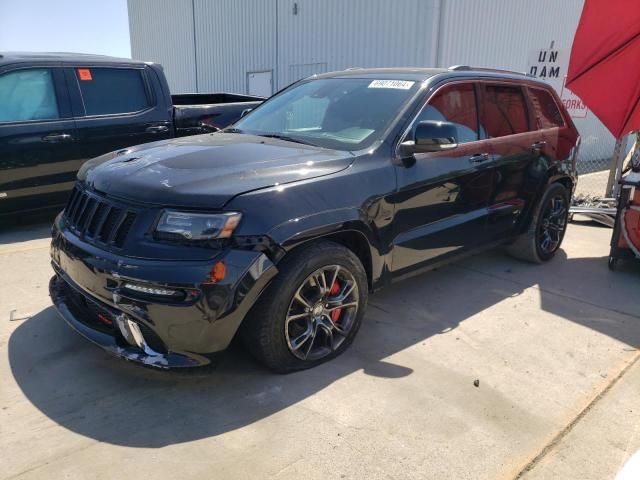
265, 331
529, 245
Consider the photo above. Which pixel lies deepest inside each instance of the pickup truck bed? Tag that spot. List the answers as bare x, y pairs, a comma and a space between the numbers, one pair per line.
196, 113
59, 110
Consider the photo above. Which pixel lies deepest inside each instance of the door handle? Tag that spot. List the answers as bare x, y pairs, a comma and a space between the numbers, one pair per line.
479, 157
158, 129
57, 137
536, 147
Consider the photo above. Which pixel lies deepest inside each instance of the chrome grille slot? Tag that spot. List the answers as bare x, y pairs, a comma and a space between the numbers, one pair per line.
96, 219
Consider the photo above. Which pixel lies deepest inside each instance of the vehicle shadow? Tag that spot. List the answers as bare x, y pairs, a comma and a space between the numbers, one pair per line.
24, 228
83, 389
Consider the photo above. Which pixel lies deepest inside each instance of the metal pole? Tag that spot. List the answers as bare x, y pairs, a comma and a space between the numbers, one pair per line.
617, 161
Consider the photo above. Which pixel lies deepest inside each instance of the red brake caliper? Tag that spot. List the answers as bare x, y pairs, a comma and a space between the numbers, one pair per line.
335, 289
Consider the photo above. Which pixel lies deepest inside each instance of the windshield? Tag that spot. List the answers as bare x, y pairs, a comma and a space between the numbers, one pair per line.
337, 113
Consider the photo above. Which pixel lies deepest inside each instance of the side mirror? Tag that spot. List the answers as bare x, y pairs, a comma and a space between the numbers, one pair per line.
245, 111
431, 136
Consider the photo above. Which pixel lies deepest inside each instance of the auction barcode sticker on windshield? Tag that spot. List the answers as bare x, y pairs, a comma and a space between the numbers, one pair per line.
399, 84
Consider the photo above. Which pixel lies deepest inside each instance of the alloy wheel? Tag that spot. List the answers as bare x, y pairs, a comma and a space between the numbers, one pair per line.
322, 312
553, 223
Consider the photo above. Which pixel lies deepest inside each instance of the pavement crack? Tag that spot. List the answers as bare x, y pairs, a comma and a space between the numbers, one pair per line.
567, 429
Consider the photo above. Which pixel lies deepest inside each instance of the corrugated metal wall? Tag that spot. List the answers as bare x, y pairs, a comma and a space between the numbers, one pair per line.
162, 31
233, 37
337, 34
296, 38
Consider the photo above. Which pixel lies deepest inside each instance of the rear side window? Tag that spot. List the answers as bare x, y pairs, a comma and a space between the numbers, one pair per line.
503, 111
28, 95
112, 90
456, 104
547, 111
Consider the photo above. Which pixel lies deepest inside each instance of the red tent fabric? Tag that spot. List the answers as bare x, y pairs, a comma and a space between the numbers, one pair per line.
604, 70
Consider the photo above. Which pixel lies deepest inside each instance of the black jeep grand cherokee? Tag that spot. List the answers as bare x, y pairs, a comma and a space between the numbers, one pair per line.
277, 228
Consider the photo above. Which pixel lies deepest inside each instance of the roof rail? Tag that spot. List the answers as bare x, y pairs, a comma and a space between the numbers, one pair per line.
457, 68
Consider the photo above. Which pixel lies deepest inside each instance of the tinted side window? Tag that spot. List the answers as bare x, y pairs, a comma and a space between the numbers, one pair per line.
546, 108
503, 111
27, 95
456, 104
112, 90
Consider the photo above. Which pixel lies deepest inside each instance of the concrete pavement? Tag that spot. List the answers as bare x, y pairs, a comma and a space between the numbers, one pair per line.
552, 348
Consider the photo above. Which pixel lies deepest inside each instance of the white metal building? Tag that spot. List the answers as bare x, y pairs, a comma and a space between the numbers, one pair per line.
260, 46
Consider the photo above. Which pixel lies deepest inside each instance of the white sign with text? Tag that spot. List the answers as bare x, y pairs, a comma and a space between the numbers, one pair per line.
551, 65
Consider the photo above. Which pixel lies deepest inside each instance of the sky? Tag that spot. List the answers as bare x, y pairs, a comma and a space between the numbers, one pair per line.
83, 26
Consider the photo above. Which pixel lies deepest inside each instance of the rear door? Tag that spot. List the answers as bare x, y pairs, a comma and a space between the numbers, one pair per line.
38, 153
507, 126
116, 107
442, 198
556, 137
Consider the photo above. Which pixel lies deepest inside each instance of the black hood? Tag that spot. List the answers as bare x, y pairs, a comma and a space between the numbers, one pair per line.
206, 171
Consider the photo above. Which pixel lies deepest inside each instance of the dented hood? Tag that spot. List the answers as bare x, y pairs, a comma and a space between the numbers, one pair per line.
206, 171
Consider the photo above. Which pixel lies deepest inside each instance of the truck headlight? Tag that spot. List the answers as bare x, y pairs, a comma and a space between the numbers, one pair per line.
198, 226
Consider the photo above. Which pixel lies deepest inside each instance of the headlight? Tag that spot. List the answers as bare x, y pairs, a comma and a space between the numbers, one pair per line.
198, 226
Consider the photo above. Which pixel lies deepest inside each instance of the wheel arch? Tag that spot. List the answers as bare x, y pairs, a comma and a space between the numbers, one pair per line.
345, 227
563, 179
552, 177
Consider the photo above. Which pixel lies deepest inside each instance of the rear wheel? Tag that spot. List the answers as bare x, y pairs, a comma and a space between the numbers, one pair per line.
312, 310
548, 226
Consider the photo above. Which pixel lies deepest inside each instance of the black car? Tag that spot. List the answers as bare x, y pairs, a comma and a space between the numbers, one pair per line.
278, 227
58, 110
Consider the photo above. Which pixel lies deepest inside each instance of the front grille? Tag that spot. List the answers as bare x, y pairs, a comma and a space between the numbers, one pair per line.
101, 221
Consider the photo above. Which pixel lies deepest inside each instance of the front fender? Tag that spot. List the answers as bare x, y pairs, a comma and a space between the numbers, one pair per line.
331, 224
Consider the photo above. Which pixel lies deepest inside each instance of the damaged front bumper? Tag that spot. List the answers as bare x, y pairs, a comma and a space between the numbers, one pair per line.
125, 340
129, 306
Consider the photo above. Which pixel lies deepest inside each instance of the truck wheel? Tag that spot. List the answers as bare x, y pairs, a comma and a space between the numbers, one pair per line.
548, 226
311, 311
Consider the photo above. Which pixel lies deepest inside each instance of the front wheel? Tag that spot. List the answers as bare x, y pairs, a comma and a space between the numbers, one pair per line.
312, 310
548, 226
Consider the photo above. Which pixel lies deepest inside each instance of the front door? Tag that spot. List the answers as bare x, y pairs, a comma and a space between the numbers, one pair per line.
442, 198
38, 149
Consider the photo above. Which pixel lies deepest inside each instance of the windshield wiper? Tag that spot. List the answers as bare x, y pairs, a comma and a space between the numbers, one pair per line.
286, 138
232, 130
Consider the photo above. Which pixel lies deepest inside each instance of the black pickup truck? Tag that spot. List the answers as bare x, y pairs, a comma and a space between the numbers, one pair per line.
58, 110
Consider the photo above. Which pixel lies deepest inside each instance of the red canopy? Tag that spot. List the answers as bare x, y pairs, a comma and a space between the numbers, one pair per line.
604, 70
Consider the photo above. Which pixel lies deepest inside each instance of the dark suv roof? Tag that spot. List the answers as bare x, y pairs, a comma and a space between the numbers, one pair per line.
416, 74
29, 57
